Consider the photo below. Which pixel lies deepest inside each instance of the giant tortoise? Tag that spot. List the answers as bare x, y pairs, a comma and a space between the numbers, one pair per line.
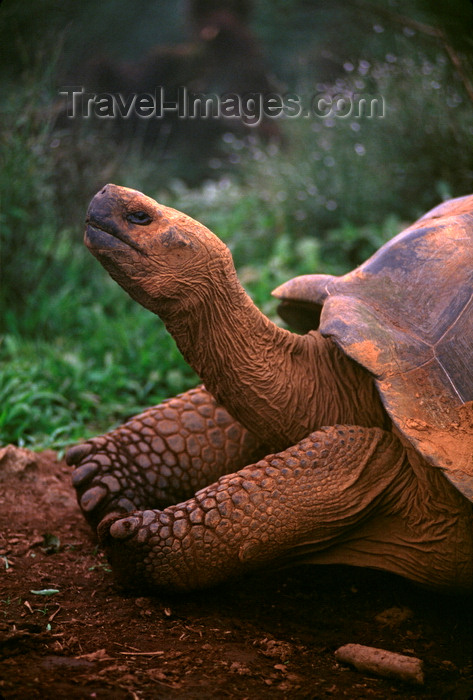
349, 441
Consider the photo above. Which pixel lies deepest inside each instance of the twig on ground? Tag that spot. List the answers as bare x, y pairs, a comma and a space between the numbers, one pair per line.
382, 663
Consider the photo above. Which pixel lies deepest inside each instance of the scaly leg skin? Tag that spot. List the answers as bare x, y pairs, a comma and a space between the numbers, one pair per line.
308, 496
160, 456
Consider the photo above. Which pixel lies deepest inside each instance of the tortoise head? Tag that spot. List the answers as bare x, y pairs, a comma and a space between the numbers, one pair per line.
160, 256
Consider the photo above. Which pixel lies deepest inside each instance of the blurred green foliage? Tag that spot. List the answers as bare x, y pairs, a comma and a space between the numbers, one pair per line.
77, 355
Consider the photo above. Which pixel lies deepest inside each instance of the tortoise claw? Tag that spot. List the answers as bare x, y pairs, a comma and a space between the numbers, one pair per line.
92, 498
84, 473
75, 454
105, 525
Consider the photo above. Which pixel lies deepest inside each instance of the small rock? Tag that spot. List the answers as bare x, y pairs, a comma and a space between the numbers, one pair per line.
142, 602
240, 669
392, 617
276, 649
281, 667
15, 461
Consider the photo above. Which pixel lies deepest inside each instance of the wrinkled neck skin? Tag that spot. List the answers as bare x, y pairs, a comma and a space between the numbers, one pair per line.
280, 385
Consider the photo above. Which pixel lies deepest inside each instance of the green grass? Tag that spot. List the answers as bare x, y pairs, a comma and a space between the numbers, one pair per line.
53, 392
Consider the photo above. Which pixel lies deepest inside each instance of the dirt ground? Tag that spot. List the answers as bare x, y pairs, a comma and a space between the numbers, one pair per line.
66, 631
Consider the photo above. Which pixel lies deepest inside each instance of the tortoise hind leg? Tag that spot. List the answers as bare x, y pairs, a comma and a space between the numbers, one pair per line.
311, 496
160, 456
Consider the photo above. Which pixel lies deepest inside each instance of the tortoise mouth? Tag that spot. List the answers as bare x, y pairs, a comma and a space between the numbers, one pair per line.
99, 234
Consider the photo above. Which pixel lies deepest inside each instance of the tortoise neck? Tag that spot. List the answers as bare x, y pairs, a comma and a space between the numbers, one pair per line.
281, 386
234, 348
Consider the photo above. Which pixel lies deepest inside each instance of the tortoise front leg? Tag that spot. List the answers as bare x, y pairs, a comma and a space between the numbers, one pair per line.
160, 456
309, 496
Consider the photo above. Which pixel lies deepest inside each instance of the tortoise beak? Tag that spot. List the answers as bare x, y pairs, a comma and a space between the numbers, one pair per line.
106, 223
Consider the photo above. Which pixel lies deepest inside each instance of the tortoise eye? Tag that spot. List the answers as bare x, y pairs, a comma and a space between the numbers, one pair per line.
138, 217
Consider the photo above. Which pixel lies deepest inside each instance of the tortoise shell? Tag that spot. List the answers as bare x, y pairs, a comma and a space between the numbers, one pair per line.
406, 315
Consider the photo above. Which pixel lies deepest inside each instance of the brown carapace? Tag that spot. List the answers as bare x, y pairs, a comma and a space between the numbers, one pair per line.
350, 441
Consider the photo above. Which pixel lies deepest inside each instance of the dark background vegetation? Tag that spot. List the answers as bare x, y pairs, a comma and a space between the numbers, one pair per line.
296, 196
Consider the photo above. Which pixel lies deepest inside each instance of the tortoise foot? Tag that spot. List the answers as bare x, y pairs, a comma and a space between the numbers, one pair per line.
125, 541
281, 507
105, 479
159, 457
